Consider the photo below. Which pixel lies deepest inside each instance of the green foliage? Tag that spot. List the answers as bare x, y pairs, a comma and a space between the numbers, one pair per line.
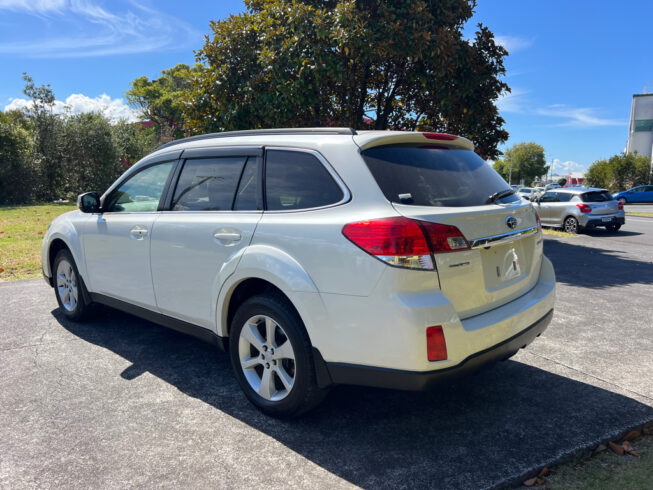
89, 160
403, 64
46, 156
562, 181
161, 99
619, 172
132, 142
528, 162
16, 172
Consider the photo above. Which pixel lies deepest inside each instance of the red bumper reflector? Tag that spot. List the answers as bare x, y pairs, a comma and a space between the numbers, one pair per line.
436, 346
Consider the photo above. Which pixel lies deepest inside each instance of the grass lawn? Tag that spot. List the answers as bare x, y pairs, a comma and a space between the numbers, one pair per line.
638, 213
607, 470
556, 232
21, 232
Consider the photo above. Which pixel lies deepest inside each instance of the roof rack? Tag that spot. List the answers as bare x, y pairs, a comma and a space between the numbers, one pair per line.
258, 132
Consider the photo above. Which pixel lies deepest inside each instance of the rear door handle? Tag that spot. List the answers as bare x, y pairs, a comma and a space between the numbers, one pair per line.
138, 232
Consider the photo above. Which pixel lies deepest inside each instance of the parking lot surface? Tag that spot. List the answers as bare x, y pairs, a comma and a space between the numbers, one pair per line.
121, 402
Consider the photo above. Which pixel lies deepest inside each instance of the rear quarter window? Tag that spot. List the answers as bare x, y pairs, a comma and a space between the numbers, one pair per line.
434, 176
298, 180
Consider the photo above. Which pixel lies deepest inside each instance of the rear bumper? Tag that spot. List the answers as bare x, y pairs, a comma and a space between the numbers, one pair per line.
592, 221
341, 373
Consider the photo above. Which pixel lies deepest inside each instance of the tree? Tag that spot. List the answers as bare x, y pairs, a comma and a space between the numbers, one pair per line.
528, 162
366, 63
90, 162
162, 99
132, 142
562, 182
16, 150
47, 130
619, 172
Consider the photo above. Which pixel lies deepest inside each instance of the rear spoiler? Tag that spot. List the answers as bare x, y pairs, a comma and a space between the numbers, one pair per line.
370, 139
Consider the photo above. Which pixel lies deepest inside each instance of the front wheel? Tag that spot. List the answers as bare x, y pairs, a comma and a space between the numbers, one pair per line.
69, 287
571, 225
272, 358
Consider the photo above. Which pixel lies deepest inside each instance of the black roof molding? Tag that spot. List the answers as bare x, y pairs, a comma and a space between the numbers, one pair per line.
262, 132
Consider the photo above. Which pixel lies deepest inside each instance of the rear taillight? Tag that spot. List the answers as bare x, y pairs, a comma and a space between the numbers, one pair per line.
404, 242
620, 205
584, 208
538, 221
436, 346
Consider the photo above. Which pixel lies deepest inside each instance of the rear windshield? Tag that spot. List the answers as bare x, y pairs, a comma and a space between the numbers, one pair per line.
428, 176
596, 196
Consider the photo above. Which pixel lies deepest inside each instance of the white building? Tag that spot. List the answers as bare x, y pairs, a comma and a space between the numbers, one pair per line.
640, 134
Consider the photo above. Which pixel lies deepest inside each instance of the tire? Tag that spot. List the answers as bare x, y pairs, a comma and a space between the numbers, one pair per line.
613, 228
622, 200
570, 225
69, 288
273, 381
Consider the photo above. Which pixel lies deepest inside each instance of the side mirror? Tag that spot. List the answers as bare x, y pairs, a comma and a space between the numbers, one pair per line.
89, 202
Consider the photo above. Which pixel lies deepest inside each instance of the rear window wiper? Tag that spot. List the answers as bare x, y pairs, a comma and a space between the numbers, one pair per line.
499, 195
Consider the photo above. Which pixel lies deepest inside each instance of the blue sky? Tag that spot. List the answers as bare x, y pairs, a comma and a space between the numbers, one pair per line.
573, 65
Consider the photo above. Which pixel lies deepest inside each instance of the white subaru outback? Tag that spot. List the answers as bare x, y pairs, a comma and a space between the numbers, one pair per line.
315, 257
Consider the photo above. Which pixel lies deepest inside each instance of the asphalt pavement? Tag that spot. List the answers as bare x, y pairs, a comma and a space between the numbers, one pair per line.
121, 402
638, 208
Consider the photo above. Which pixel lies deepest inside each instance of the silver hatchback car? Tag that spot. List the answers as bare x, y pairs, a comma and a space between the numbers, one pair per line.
574, 209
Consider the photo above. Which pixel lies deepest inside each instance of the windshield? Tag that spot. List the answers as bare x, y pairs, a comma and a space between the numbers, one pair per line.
434, 176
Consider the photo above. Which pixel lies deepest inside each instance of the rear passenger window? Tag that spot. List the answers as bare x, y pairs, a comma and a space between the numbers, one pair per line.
564, 196
247, 195
298, 180
208, 184
549, 197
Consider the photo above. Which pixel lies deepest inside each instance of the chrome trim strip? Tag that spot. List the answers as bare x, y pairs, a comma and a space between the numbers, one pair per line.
489, 241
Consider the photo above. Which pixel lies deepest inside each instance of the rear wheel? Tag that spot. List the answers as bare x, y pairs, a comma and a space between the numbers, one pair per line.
571, 225
69, 287
271, 357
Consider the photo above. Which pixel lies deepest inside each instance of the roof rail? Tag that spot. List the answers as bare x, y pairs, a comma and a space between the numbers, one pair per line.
257, 132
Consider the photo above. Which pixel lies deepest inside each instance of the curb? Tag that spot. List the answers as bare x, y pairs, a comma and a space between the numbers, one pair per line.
516, 481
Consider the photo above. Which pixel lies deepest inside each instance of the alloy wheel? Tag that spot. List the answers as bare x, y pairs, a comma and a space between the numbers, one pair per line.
67, 285
266, 358
571, 225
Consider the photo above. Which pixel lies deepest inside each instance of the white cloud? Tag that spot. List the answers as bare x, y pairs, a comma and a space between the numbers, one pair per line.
113, 109
513, 101
40, 6
559, 167
581, 117
84, 28
578, 116
513, 43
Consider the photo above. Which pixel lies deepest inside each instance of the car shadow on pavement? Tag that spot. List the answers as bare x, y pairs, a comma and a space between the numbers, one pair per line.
595, 268
475, 433
602, 232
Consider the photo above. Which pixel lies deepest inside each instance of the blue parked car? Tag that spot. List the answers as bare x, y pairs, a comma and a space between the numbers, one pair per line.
642, 193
